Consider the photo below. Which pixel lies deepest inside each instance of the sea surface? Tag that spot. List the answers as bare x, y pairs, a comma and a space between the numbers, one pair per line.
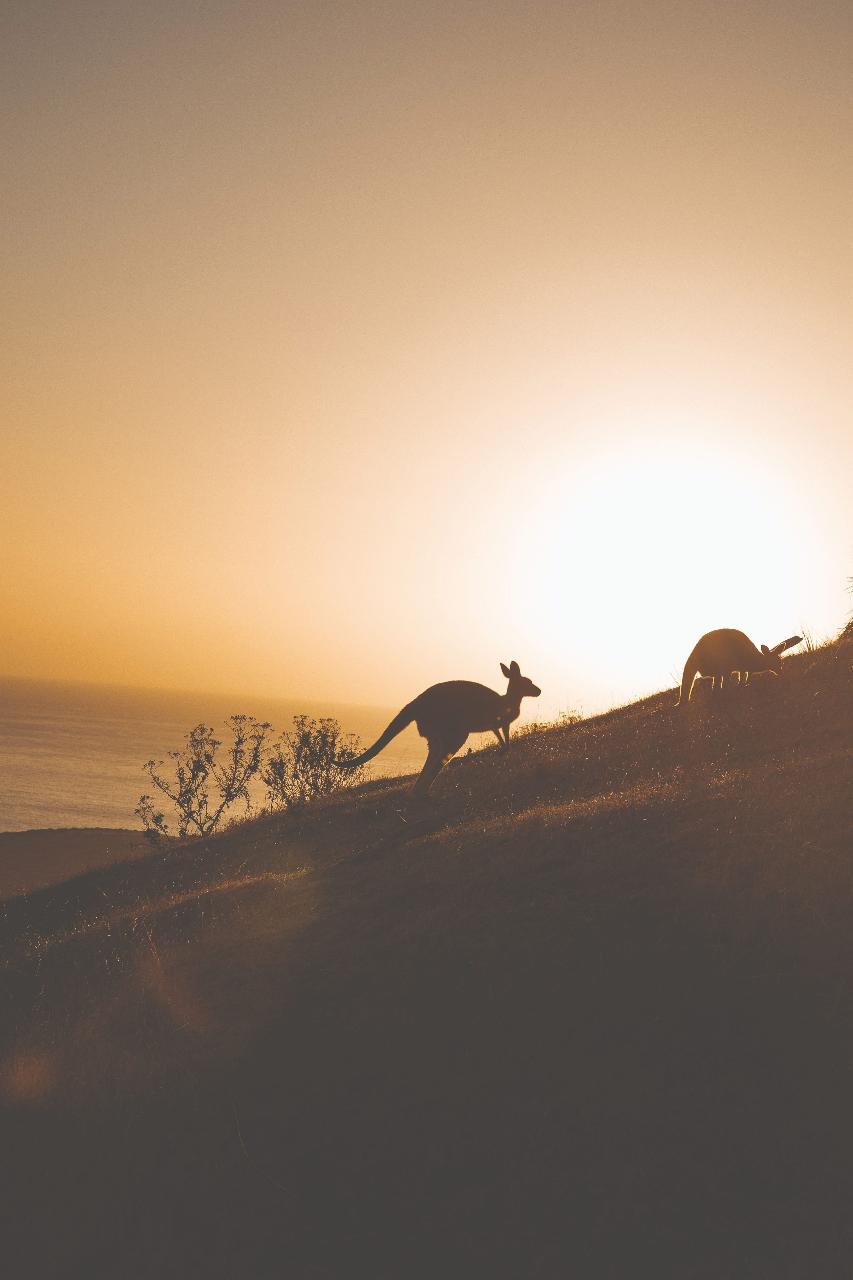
71, 755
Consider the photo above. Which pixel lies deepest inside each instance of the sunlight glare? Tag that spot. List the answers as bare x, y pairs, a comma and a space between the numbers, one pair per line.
632, 555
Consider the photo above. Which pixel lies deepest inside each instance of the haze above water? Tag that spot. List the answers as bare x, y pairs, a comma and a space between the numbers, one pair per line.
72, 755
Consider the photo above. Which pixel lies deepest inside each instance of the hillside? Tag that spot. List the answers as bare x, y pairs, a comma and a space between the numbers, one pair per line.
37, 859
588, 1013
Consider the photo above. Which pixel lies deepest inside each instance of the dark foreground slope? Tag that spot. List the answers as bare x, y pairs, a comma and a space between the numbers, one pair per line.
591, 1014
31, 860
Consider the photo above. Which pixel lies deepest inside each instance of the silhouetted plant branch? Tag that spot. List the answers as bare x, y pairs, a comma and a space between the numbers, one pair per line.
846, 632
204, 788
303, 763
811, 645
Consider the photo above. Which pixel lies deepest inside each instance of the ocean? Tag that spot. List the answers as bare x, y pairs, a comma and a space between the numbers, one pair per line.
71, 755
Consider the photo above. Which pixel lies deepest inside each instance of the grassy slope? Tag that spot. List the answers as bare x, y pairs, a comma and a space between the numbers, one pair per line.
32, 860
589, 1014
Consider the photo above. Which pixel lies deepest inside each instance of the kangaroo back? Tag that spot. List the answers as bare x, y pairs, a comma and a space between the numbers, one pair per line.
457, 705
718, 653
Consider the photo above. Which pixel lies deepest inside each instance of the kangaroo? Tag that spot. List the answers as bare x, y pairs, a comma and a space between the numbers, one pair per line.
446, 713
720, 653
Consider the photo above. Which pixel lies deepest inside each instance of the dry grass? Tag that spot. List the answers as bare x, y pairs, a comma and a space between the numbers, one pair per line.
588, 1013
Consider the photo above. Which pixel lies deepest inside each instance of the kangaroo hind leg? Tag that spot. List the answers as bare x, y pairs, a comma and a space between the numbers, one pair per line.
437, 758
440, 752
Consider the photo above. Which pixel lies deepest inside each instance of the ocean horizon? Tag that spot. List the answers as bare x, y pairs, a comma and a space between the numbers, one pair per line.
71, 755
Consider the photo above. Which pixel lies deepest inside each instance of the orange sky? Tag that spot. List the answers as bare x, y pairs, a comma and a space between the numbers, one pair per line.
350, 347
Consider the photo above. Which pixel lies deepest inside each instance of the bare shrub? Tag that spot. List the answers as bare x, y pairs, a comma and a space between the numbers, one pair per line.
204, 788
303, 763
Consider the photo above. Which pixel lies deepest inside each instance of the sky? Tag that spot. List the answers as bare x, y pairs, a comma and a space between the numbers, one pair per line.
352, 347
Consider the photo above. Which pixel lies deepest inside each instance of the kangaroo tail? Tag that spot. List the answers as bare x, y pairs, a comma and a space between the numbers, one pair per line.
691, 667
397, 725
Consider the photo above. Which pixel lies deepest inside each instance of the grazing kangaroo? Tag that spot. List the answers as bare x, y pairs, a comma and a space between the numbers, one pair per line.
446, 713
720, 653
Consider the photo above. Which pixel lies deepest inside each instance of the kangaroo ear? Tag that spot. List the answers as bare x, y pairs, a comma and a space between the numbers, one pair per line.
765, 651
787, 644
505, 670
515, 668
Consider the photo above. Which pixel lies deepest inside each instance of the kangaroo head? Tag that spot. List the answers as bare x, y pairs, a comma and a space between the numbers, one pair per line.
774, 661
774, 655
519, 686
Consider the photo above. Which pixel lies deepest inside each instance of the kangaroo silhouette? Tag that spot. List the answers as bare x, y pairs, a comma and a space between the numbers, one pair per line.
720, 653
446, 713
